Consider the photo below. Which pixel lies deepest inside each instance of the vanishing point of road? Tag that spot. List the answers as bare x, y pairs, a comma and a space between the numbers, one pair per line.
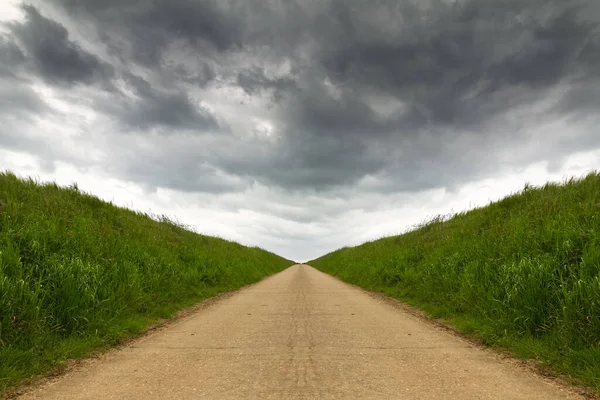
300, 334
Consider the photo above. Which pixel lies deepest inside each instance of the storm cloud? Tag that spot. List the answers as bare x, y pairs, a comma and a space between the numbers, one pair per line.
326, 98
53, 55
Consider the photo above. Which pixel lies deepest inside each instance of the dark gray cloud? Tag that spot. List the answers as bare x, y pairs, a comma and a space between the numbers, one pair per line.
12, 57
414, 94
200, 74
163, 109
171, 110
142, 30
451, 66
42, 47
17, 101
55, 57
255, 81
186, 174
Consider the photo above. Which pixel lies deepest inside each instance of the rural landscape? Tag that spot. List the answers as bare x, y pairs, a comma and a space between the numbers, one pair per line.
299, 199
80, 274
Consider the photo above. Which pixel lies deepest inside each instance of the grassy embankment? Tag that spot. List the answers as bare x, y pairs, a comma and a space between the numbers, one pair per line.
522, 273
77, 273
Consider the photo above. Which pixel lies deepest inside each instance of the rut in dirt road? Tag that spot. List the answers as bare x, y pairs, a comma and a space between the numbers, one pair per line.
301, 334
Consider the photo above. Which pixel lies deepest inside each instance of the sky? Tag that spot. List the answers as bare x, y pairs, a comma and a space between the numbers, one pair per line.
300, 126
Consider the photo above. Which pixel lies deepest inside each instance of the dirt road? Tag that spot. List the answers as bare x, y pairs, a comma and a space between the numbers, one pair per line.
300, 335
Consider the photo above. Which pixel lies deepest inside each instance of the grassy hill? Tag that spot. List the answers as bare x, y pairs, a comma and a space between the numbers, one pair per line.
78, 273
522, 273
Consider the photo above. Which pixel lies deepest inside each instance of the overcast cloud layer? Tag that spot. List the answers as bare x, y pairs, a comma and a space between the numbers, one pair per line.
300, 126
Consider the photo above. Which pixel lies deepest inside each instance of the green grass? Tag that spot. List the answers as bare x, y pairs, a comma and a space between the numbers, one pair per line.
522, 273
78, 273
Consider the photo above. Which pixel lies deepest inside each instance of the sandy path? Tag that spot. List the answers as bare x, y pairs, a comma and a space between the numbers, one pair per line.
300, 335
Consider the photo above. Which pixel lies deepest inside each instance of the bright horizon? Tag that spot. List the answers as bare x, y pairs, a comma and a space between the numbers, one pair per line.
475, 198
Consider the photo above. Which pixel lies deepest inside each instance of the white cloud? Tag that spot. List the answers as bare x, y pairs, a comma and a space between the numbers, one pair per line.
9, 11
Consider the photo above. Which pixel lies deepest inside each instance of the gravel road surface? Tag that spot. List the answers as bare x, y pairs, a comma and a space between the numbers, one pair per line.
300, 334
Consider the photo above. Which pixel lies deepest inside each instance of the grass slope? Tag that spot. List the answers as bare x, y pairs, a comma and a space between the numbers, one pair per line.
77, 273
522, 273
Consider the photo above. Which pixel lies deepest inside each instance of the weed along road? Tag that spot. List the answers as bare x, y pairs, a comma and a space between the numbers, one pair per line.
300, 334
